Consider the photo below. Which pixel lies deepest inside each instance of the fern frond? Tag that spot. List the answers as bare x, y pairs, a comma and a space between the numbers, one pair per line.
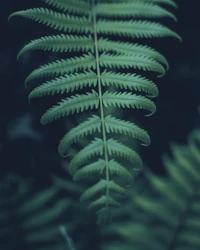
98, 33
135, 29
164, 2
71, 6
56, 20
106, 45
77, 103
168, 2
131, 61
98, 167
65, 84
130, 82
115, 147
113, 124
133, 9
63, 66
103, 201
99, 187
128, 100
36, 214
60, 43
172, 204
91, 125
90, 169
94, 148
117, 169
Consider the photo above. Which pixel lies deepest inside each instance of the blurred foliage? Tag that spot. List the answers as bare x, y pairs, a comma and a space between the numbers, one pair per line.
27, 150
32, 219
165, 213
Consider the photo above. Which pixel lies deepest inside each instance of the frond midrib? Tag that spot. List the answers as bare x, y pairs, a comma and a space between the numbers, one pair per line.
102, 116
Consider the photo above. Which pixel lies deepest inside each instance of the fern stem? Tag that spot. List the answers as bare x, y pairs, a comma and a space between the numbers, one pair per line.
100, 98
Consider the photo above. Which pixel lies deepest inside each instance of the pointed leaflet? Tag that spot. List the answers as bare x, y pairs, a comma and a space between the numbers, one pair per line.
72, 6
113, 124
65, 84
71, 105
129, 81
56, 20
90, 169
135, 61
135, 29
60, 43
106, 45
128, 100
115, 147
103, 201
94, 148
118, 169
167, 2
101, 187
91, 125
134, 10
63, 66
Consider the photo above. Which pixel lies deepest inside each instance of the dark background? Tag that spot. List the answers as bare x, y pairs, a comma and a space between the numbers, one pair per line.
30, 149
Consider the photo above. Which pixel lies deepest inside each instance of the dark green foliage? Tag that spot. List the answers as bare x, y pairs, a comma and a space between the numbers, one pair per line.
32, 220
95, 32
165, 213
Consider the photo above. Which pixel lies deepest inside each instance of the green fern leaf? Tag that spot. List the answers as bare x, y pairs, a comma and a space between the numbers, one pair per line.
72, 6
60, 43
65, 84
129, 81
113, 124
90, 169
100, 187
135, 9
77, 103
56, 20
106, 45
117, 169
103, 201
63, 66
128, 100
167, 2
131, 61
91, 125
135, 29
171, 202
115, 147
94, 148
102, 31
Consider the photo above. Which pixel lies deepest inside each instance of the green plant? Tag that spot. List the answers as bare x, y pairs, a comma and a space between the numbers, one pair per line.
167, 213
32, 219
95, 32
